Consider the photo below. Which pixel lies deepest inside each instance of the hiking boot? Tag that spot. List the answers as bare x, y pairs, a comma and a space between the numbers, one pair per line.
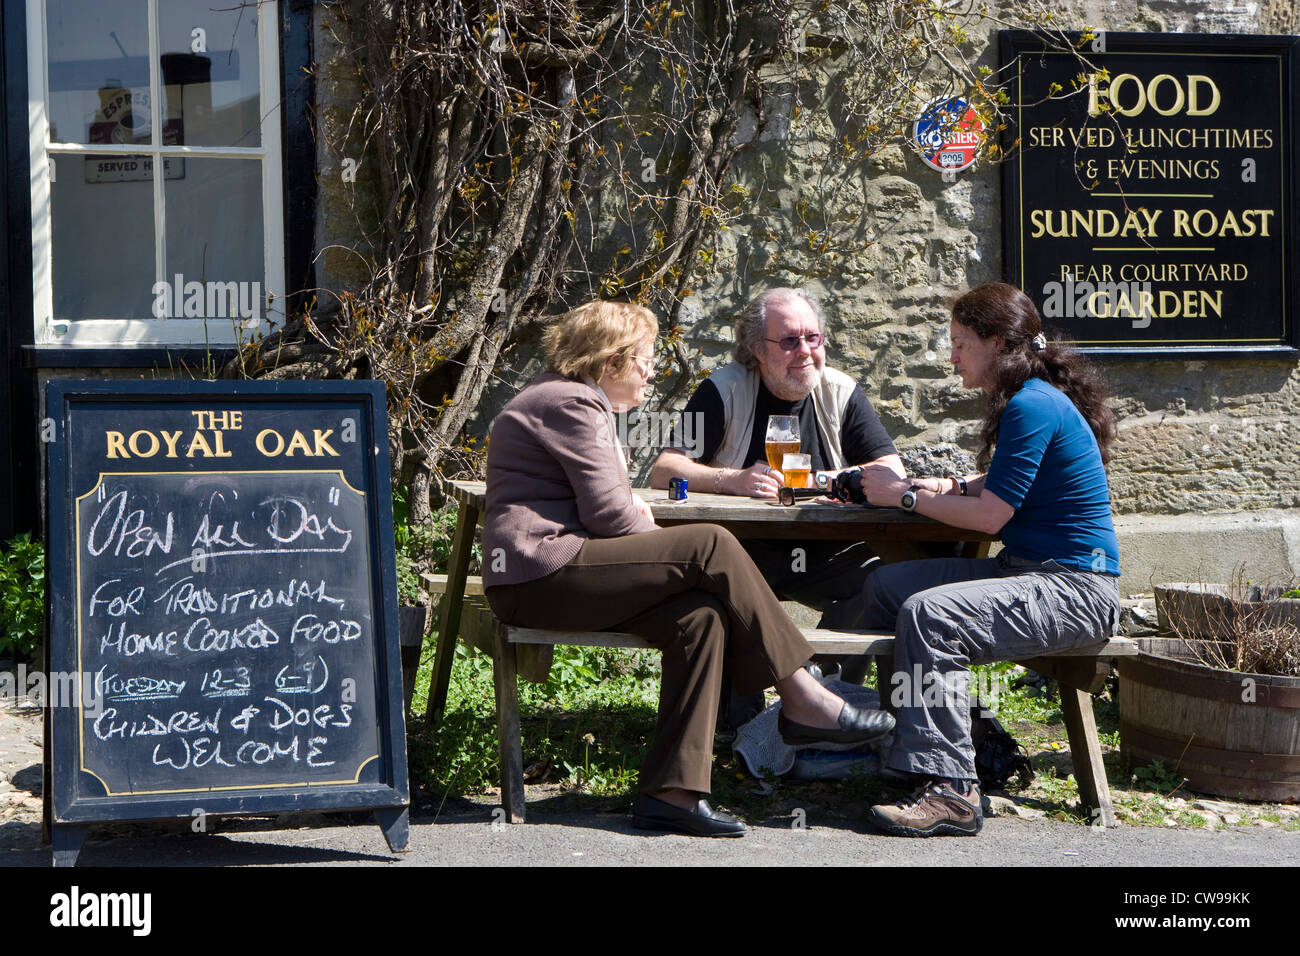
934, 810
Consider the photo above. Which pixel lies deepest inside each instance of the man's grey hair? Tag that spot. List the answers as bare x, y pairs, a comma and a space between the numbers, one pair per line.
751, 327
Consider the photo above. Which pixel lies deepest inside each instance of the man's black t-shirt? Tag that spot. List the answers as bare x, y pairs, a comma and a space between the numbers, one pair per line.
862, 437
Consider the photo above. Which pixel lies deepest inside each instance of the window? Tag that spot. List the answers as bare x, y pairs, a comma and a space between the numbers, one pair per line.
156, 193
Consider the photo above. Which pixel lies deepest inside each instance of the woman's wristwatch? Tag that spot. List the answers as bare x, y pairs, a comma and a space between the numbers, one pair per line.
908, 502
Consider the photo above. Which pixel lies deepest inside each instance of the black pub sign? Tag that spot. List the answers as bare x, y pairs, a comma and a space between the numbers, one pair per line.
1149, 197
222, 604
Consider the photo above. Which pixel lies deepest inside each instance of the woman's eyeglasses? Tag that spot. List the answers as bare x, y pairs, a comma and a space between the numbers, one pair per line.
791, 342
646, 365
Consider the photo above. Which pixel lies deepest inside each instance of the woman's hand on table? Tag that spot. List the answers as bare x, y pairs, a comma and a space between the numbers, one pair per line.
882, 486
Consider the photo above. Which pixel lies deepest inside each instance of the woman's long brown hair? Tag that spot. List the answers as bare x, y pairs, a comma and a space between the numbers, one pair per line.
999, 309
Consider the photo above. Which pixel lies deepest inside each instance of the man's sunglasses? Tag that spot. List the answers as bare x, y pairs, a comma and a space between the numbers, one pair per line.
791, 342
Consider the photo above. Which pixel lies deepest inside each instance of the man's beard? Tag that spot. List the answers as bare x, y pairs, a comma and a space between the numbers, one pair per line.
793, 386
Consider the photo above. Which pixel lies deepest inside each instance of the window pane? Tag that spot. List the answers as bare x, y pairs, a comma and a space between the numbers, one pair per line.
214, 237
210, 71
102, 224
98, 71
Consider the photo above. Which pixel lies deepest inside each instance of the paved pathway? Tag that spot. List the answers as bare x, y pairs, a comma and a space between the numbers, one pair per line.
587, 839
467, 837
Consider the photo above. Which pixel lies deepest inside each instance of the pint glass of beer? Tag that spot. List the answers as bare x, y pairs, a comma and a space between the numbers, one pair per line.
797, 470
782, 439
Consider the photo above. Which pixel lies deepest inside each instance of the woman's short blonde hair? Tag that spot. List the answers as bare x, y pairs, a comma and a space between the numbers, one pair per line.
580, 343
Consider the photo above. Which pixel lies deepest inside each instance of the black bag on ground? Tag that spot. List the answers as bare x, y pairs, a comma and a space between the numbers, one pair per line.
998, 757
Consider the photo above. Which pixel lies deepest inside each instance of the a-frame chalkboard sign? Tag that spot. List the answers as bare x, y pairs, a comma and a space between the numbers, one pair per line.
223, 605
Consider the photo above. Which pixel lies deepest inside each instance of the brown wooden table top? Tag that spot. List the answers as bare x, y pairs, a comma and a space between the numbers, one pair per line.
762, 518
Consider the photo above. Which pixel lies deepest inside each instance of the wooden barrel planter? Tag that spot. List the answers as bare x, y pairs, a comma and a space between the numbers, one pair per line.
1203, 723
1211, 610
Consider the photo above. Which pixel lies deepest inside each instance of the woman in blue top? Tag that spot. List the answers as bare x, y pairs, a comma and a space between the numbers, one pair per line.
1045, 437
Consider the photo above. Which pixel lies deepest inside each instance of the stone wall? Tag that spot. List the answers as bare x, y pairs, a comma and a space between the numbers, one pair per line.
1194, 436
887, 243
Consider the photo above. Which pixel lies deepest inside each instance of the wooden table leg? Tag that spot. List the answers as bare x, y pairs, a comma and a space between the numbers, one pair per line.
449, 616
509, 740
884, 681
1078, 679
1085, 751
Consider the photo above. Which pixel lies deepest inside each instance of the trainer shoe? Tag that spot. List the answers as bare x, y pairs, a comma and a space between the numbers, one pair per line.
934, 810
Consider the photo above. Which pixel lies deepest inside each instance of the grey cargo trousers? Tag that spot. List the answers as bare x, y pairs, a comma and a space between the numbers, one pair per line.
950, 613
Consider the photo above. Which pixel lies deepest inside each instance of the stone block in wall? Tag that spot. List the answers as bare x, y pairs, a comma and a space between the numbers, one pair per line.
955, 202
922, 305
1282, 16
949, 400
709, 321
1204, 462
897, 203
1162, 548
940, 459
950, 256
903, 393
927, 366
897, 419
963, 432
882, 339
904, 260
891, 159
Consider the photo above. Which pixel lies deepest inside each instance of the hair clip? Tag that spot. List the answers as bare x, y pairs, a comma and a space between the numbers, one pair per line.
1038, 342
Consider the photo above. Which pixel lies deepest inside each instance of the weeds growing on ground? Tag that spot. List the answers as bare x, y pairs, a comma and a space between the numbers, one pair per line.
22, 597
1013, 702
585, 732
590, 722
1156, 776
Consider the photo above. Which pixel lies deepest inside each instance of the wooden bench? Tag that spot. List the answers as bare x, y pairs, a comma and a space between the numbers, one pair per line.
527, 652
437, 583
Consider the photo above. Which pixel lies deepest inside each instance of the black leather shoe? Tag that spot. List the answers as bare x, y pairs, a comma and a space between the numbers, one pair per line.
858, 726
649, 813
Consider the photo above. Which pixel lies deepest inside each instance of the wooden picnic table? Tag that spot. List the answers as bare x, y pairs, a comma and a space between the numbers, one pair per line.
893, 534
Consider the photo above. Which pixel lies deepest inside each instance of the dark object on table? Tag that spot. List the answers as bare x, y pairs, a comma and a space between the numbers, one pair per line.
788, 496
847, 486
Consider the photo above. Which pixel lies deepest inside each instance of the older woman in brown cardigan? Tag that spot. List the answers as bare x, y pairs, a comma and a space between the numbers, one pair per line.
568, 546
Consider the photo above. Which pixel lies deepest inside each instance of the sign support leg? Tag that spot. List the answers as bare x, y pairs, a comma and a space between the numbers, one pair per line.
396, 824
67, 843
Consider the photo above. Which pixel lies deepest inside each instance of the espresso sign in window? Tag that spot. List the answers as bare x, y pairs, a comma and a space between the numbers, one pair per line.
1149, 204
223, 601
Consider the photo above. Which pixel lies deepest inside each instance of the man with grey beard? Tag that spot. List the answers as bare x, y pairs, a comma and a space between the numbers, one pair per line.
780, 369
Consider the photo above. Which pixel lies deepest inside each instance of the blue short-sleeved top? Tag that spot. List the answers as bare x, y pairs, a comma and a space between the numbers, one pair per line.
1048, 467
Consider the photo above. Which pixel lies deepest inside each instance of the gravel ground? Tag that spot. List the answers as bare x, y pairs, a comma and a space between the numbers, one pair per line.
1179, 830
